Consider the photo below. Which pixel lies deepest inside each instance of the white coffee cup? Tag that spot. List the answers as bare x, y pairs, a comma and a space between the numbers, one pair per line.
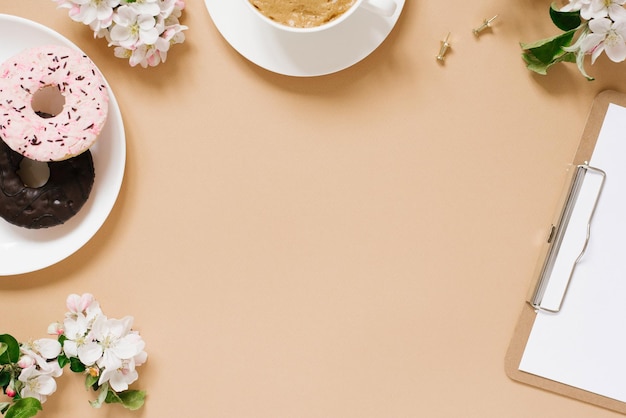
382, 7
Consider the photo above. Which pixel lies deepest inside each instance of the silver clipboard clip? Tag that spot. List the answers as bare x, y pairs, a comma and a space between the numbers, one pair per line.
558, 232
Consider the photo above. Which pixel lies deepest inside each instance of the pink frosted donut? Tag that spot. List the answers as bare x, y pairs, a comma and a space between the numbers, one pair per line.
57, 76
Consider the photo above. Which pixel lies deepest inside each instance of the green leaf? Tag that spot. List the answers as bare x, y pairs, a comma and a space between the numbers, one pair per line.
549, 49
130, 399
12, 352
91, 381
533, 64
3, 348
63, 360
569, 57
5, 378
113, 397
76, 366
4, 406
565, 21
104, 393
24, 408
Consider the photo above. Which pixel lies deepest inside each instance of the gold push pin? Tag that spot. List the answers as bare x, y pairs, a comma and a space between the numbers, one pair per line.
444, 48
486, 24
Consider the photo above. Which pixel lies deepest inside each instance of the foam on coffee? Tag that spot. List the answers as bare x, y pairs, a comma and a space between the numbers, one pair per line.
302, 13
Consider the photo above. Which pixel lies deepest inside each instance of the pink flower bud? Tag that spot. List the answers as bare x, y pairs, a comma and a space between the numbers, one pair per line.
25, 362
55, 328
11, 392
79, 304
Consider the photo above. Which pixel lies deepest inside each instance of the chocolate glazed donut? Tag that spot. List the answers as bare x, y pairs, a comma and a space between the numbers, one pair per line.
63, 195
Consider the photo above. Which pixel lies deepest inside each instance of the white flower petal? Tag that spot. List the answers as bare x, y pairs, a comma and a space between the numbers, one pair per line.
617, 51
128, 347
140, 358
120, 33
75, 328
120, 380
109, 361
146, 8
601, 25
52, 368
149, 37
89, 353
591, 41
617, 12
46, 385
596, 53
28, 373
28, 393
48, 348
70, 348
124, 16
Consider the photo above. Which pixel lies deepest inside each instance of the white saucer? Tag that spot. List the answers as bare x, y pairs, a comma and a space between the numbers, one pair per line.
23, 250
298, 54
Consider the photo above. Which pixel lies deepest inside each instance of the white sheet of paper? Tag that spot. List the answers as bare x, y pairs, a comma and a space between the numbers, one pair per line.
584, 345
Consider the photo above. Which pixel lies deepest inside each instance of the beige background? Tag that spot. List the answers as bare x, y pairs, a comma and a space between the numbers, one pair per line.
353, 245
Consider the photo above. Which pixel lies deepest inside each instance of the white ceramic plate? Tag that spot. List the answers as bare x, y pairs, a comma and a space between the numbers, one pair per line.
23, 250
297, 54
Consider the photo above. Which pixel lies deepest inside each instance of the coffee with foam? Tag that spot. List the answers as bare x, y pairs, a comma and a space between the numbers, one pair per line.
302, 13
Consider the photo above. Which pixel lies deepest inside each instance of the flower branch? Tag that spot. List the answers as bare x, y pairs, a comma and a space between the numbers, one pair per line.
141, 31
104, 350
589, 28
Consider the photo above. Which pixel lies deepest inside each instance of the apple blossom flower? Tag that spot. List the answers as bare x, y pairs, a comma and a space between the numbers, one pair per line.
594, 9
37, 384
46, 348
37, 353
131, 28
118, 342
143, 55
121, 377
153, 55
80, 342
605, 35
37, 374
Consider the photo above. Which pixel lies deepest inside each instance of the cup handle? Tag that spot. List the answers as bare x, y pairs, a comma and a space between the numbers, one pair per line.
382, 7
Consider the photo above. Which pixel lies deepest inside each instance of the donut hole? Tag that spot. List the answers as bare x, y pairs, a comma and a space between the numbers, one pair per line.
48, 101
33, 173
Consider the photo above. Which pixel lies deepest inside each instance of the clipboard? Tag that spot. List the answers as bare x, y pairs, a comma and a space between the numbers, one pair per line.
532, 308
